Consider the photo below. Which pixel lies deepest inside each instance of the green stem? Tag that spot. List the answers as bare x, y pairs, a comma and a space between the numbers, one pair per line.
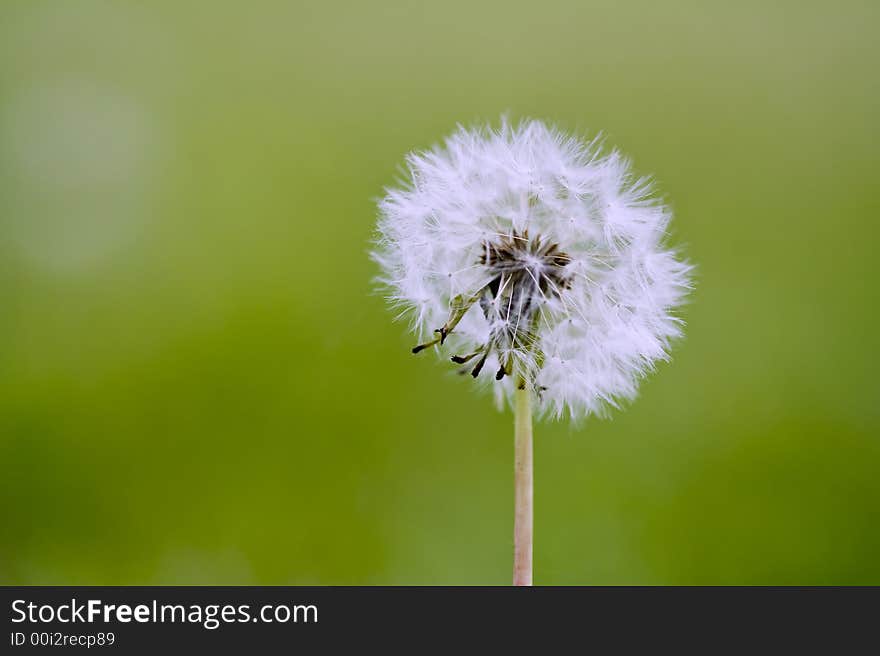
523, 486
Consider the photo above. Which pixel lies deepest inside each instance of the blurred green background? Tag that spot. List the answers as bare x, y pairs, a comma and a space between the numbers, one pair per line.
198, 383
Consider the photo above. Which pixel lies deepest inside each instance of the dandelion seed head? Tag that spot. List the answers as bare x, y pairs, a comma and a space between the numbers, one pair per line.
534, 259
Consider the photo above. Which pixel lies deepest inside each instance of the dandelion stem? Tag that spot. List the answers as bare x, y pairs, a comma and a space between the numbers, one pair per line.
523, 477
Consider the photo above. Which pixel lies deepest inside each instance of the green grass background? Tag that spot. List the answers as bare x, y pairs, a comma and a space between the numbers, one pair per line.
199, 385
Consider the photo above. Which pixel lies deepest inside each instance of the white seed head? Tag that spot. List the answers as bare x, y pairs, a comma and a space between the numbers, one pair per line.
534, 259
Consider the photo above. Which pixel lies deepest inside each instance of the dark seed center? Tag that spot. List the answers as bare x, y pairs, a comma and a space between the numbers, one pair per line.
525, 271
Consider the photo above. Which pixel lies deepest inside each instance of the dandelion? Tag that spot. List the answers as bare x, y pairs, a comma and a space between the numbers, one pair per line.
537, 263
